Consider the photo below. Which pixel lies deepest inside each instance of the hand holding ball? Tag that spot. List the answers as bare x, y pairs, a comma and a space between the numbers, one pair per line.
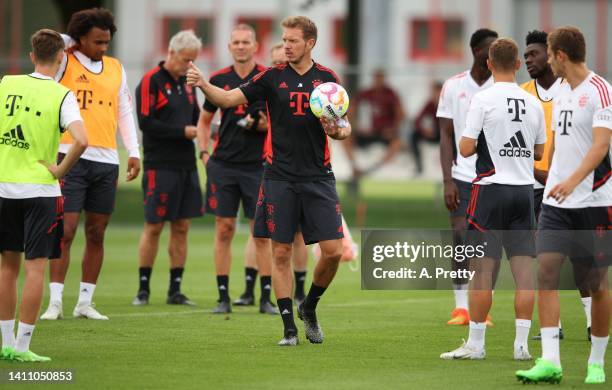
329, 101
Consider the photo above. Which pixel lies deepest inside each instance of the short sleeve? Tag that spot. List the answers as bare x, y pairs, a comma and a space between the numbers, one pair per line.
208, 105
69, 111
603, 118
444, 103
475, 119
602, 115
259, 87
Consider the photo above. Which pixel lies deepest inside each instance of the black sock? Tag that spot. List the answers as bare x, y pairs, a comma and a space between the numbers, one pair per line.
176, 276
223, 286
285, 306
313, 297
266, 287
300, 279
144, 277
250, 277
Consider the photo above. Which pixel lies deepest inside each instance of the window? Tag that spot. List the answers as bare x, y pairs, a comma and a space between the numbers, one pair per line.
436, 39
202, 25
263, 28
340, 35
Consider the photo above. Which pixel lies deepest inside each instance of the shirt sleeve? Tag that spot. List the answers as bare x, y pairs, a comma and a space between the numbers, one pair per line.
146, 96
541, 130
259, 87
208, 105
475, 119
69, 112
445, 104
127, 125
602, 116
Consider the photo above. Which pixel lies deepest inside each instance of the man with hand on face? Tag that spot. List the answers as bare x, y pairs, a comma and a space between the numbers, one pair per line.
101, 89
298, 189
167, 113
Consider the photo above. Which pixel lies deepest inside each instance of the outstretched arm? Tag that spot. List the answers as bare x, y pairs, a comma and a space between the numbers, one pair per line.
218, 96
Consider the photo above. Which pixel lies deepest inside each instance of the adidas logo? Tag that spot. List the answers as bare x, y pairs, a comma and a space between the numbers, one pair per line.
285, 312
27, 334
84, 290
248, 278
267, 287
15, 138
283, 85
144, 278
177, 280
516, 147
222, 287
82, 79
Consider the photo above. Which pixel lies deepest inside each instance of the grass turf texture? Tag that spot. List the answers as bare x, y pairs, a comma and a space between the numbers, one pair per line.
382, 339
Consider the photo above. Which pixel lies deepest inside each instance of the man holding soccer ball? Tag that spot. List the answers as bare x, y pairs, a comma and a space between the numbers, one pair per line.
298, 188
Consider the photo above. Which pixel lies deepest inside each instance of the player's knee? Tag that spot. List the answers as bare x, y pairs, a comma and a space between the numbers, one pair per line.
154, 229
225, 230
69, 233
332, 252
95, 234
282, 255
180, 228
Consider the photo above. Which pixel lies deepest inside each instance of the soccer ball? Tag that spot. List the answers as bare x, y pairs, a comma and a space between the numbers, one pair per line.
329, 100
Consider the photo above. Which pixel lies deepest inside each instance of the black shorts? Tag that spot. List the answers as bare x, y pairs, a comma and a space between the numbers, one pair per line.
582, 234
502, 216
285, 207
171, 194
538, 195
228, 184
33, 225
90, 186
465, 191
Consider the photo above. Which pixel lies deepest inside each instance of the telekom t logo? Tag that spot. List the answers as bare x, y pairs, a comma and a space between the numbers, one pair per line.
299, 101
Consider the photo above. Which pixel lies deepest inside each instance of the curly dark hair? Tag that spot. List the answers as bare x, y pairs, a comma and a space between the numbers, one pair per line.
83, 21
536, 36
480, 35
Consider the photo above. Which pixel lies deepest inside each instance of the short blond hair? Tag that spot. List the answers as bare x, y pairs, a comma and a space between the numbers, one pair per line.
308, 27
246, 27
570, 40
503, 54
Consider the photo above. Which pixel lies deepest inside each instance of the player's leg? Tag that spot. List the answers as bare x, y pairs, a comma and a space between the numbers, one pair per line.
247, 298
99, 205
460, 314
74, 190
581, 273
95, 229
224, 234
147, 252
263, 249
524, 301
322, 223
283, 286
177, 251
300, 267
9, 272
600, 327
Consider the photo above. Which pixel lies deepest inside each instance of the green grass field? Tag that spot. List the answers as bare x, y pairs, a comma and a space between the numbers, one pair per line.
374, 339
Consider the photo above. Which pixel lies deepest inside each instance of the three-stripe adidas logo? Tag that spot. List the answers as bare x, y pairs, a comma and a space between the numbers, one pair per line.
15, 138
516, 147
82, 79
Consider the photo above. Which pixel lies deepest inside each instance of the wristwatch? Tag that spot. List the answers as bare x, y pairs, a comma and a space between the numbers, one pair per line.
202, 153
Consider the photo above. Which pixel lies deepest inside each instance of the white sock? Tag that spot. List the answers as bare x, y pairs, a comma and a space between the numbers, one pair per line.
550, 345
24, 335
461, 296
56, 290
586, 305
476, 340
598, 349
8, 333
86, 291
522, 333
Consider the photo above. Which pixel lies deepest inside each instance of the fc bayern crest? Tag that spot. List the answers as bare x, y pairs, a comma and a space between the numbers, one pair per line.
315, 83
584, 99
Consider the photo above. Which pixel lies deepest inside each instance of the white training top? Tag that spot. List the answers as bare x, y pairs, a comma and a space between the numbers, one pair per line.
127, 125
454, 103
69, 113
507, 121
575, 114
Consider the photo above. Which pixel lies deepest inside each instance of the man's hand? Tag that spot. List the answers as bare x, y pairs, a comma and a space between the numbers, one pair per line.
262, 123
133, 168
561, 191
191, 132
333, 129
205, 158
53, 169
195, 78
451, 195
